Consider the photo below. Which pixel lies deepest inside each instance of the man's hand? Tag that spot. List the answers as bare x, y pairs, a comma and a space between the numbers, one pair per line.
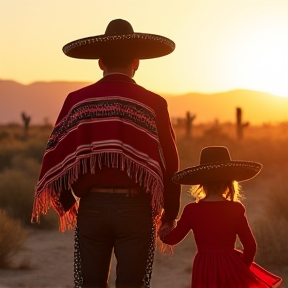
165, 229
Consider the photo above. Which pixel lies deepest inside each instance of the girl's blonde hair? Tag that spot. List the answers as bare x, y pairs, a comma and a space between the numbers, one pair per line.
230, 190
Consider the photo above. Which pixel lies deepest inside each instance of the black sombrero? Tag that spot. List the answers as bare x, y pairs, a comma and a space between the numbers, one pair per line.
120, 39
216, 165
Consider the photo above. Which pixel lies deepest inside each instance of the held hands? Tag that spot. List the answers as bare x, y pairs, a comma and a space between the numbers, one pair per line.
165, 228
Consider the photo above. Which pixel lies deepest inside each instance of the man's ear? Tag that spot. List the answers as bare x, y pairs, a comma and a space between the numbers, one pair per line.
101, 65
135, 64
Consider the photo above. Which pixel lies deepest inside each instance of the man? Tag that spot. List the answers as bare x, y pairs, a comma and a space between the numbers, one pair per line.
112, 147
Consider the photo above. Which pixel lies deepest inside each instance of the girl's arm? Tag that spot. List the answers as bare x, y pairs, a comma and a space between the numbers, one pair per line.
247, 239
178, 233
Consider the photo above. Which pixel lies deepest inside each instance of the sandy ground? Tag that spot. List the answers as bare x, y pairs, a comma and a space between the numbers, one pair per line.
51, 264
49, 256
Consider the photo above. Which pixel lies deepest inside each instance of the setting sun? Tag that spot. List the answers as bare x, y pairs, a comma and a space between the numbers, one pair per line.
220, 46
261, 60
239, 46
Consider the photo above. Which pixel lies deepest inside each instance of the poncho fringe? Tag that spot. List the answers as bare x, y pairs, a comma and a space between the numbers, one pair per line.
48, 195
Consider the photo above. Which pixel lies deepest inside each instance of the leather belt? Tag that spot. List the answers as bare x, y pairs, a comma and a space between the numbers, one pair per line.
114, 190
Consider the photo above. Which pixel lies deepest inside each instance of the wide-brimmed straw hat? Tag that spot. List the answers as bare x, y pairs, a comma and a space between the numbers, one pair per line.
120, 39
216, 165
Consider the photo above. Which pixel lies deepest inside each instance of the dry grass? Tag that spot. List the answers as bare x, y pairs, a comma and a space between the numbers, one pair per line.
271, 231
12, 238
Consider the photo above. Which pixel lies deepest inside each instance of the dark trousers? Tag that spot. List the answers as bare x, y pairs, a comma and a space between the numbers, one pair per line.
118, 222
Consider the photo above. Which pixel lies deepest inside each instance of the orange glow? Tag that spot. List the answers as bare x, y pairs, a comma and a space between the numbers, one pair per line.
220, 45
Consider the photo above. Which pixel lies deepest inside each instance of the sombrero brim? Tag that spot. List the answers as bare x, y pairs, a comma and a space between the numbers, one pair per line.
139, 45
222, 171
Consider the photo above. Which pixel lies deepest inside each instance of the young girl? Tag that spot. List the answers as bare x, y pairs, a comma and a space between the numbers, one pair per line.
216, 218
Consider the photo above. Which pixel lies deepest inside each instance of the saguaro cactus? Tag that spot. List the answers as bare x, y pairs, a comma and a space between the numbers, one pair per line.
239, 124
26, 121
188, 123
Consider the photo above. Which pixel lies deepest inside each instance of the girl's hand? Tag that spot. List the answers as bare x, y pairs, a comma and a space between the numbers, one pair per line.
165, 229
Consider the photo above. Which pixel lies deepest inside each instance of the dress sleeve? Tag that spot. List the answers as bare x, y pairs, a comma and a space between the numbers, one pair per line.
181, 230
170, 157
246, 237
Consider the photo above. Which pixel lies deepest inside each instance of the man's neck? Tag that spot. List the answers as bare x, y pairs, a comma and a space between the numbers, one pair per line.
126, 71
113, 73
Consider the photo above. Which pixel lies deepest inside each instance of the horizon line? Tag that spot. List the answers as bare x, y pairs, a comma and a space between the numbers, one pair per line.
167, 94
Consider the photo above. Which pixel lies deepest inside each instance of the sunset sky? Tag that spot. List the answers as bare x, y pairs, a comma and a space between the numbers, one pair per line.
220, 45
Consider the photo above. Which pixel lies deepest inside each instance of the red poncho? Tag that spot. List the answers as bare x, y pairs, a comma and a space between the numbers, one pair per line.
115, 123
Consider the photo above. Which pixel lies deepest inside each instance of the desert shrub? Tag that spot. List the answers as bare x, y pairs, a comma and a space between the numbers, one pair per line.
5, 157
34, 150
20, 163
12, 238
28, 165
271, 231
16, 195
17, 186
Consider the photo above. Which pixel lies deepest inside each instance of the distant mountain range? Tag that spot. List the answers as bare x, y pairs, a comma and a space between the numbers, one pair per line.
43, 101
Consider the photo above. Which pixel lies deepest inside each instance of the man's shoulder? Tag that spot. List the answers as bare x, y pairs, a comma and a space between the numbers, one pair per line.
153, 95
89, 91
135, 92
145, 90
83, 90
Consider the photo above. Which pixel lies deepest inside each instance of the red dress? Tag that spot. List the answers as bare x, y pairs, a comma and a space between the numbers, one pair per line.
217, 263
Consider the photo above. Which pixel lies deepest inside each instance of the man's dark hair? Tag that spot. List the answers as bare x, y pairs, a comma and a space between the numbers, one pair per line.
117, 61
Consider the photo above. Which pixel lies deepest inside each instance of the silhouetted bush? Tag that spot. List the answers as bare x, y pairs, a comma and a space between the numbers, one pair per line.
12, 238
16, 196
17, 191
35, 150
30, 149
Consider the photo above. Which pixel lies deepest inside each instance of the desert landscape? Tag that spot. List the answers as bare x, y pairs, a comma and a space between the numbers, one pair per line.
225, 83
45, 259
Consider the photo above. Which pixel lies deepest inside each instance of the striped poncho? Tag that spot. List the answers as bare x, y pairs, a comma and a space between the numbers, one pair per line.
115, 123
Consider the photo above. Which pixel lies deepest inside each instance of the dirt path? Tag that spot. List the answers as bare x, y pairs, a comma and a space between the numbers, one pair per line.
49, 257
